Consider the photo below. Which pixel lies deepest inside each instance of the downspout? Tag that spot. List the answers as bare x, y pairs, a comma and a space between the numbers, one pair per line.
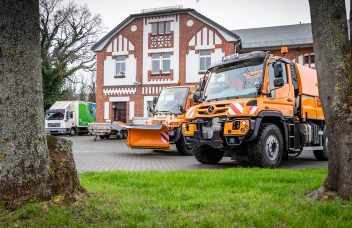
238, 44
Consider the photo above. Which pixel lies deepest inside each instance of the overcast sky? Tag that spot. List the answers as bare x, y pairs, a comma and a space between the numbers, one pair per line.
232, 14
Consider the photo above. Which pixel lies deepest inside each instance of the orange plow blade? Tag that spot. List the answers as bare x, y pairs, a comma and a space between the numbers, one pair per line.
148, 137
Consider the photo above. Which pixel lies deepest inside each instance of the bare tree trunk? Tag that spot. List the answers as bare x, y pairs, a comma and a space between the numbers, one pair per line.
333, 61
27, 170
24, 160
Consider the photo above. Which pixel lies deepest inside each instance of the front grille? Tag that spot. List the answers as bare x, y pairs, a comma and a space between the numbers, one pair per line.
53, 124
218, 109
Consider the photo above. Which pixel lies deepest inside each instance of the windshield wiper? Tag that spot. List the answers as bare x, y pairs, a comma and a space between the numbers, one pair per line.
223, 98
164, 111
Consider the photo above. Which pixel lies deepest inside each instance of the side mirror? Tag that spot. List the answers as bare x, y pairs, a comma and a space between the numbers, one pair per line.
196, 97
155, 100
278, 82
277, 70
150, 109
202, 84
181, 109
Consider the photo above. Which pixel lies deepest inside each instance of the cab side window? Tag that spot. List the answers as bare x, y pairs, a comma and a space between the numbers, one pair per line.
272, 77
69, 115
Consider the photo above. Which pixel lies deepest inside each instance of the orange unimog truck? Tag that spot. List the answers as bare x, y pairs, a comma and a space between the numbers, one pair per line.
164, 128
259, 108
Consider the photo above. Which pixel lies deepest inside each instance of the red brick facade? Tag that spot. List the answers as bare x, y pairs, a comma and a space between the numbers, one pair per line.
144, 89
190, 33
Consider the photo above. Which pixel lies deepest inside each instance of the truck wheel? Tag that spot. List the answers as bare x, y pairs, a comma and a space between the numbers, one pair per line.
208, 155
266, 151
124, 134
102, 136
73, 131
182, 148
322, 155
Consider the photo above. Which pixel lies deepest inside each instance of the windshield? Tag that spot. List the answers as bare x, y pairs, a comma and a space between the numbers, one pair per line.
54, 116
241, 79
170, 99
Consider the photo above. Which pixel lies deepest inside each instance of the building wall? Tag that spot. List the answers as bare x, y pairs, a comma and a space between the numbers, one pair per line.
294, 53
189, 35
298, 55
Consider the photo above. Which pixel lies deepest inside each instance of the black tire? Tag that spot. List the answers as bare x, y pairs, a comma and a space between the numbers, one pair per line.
102, 136
73, 131
267, 150
124, 134
182, 148
208, 155
322, 155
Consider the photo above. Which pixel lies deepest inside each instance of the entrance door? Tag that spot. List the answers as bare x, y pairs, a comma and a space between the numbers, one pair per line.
120, 111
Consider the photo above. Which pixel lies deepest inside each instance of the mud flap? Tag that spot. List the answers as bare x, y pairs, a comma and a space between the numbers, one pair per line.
148, 137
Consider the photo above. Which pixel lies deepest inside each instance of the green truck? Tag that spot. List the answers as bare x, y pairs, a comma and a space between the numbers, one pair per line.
69, 117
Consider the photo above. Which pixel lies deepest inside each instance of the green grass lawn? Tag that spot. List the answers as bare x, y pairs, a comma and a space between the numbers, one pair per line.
207, 198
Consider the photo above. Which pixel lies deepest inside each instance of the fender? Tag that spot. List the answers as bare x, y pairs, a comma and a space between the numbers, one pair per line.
259, 119
178, 135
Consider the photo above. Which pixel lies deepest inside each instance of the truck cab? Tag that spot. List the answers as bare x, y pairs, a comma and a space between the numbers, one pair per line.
59, 121
69, 117
256, 107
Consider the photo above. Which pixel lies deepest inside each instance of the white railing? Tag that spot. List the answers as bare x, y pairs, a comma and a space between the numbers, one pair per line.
161, 8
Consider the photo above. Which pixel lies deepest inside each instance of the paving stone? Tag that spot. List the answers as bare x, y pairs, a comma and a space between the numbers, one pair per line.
113, 154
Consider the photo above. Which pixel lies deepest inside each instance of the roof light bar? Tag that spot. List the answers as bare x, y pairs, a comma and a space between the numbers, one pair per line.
228, 57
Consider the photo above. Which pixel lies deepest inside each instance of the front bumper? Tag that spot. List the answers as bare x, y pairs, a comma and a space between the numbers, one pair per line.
197, 141
57, 130
226, 136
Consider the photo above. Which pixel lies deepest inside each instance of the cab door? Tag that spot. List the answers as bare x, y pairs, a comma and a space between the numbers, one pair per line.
282, 98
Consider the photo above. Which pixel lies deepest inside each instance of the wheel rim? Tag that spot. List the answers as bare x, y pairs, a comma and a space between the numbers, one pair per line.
272, 147
73, 132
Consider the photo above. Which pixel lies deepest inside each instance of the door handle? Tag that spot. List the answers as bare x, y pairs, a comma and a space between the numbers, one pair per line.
289, 99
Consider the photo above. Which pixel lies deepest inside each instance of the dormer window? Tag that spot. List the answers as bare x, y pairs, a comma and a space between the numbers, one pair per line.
161, 28
154, 28
168, 27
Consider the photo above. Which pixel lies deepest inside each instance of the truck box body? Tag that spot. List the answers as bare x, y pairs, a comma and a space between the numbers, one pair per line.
308, 89
68, 117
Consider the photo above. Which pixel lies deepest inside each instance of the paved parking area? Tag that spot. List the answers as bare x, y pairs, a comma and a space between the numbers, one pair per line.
113, 154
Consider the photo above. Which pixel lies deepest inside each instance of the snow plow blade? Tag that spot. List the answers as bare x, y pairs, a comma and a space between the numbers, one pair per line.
148, 137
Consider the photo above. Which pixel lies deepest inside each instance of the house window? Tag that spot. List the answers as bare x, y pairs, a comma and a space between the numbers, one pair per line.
312, 60
168, 27
156, 63
160, 28
154, 28
120, 66
166, 62
204, 60
161, 62
306, 59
